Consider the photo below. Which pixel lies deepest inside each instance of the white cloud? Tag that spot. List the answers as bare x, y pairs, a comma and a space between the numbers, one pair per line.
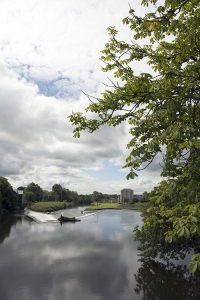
49, 52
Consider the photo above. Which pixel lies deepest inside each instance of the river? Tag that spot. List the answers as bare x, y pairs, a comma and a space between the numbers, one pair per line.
95, 259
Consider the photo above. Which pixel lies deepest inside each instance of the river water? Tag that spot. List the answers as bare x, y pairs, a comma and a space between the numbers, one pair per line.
95, 259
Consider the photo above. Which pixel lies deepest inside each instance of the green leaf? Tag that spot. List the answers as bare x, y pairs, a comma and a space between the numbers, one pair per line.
193, 266
180, 232
186, 232
168, 238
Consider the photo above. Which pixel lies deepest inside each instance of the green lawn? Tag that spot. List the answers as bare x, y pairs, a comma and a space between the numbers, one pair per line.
99, 206
49, 206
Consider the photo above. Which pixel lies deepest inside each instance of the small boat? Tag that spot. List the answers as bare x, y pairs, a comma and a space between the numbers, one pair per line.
68, 219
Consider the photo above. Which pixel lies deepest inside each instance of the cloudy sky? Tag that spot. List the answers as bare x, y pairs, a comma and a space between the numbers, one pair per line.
49, 53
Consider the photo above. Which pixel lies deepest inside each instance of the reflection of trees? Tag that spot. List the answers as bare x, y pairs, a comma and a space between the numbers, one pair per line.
159, 281
7, 221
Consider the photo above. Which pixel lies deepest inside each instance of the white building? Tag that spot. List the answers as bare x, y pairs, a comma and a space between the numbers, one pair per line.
126, 195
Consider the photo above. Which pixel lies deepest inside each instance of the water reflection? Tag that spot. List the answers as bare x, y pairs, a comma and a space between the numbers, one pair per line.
75, 261
8, 221
156, 280
92, 259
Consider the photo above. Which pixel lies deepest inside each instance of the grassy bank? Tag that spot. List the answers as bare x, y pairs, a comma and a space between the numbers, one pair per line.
53, 206
50, 206
99, 206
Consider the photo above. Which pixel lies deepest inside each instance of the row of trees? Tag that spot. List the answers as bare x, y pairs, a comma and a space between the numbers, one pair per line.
141, 198
11, 200
162, 108
34, 193
99, 197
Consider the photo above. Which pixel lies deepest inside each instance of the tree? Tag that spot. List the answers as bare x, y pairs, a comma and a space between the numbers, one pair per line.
1, 201
46, 195
162, 108
62, 194
29, 197
8, 198
75, 197
68, 195
57, 189
145, 197
97, 196
84, 199
36, 190
159, 214
135, 199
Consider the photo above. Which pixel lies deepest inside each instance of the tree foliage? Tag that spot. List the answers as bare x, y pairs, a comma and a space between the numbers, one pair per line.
57, 188
162, 108
97, 196
29, 197
33, 193
8, 198
169, 230
145, 197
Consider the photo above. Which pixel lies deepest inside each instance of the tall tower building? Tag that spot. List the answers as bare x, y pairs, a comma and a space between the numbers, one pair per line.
126, 195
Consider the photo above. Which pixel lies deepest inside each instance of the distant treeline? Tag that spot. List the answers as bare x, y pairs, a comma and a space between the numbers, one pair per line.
11, 200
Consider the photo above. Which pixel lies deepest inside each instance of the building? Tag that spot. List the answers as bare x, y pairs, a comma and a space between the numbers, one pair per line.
126, 196
20, 192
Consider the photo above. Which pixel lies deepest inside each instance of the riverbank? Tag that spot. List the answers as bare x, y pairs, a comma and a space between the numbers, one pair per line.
46, 207
101, 206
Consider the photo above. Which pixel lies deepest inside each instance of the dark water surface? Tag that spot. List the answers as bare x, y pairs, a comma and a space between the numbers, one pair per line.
95, 259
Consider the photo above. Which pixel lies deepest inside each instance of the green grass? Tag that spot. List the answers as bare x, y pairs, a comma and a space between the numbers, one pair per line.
55, 205
50, 206
100, 206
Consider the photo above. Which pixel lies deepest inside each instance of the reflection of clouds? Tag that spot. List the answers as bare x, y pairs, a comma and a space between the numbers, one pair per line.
73, 261
93, 259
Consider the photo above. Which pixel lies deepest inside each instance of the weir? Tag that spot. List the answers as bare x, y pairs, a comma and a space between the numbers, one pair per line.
40, 217
53, 217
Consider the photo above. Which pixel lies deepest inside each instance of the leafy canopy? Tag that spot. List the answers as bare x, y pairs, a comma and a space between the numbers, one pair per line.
9, 200
163, 111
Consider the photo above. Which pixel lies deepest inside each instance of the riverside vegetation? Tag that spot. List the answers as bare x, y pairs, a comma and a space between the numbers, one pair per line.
37, 199
53, 206
100, 206
50, 206
9, 200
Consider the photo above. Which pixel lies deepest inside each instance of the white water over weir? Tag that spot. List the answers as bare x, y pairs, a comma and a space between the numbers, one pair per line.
53, 217
41, 217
